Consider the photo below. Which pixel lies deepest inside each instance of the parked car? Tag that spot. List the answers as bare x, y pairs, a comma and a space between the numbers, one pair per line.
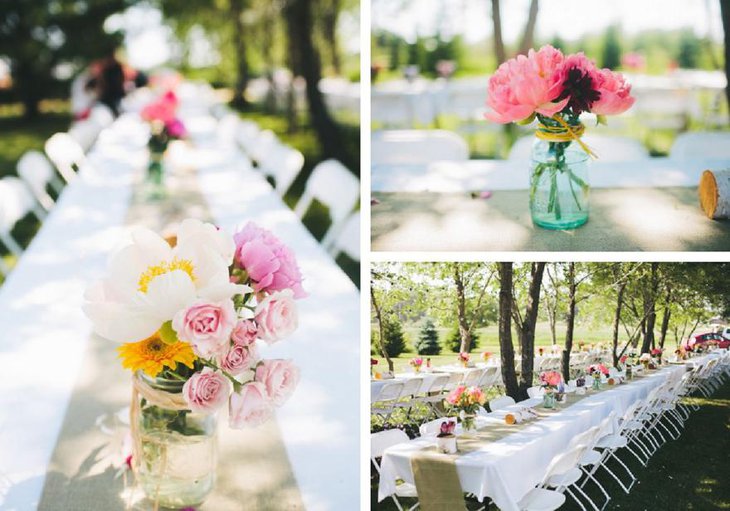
706, 337
725, 333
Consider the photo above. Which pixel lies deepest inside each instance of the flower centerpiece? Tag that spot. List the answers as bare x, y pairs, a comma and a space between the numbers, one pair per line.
486, 356
550, 381
373, 363
464, 359
597, 371
467, 401
416, 364
645, 360
556, 89
541, 351
165, 126
656, 354
192, 318
445, 439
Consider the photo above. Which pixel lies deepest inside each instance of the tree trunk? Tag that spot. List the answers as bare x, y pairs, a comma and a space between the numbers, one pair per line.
464, 331
239, 38
499, 51
725, 14
570, 327
527, 329
381, 340
666, 317
299, 21
617, 320
506, 348
650, 310
528, 37
329, 24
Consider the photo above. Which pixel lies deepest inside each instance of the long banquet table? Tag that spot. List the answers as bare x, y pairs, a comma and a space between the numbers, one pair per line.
507, 469
63, 393
642, 205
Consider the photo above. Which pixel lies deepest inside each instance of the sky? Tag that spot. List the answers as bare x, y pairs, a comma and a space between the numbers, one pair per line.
570, 18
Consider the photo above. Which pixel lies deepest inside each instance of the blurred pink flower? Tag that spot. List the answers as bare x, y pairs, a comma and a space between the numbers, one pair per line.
270, 264
525, 85
615, 93
176, 129
279, 377
249, 407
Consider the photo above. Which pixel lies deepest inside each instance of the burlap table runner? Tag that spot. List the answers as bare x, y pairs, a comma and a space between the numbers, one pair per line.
435, 474
626, 219
254, 472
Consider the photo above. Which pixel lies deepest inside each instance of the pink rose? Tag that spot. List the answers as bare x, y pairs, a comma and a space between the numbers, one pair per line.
276, 316
206, 391
615, 93
238, 359
525, 85
244, 333
250, 407
280, 377
270, 264
207, 326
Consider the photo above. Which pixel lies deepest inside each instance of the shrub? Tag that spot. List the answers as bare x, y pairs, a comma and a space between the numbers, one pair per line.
428, 340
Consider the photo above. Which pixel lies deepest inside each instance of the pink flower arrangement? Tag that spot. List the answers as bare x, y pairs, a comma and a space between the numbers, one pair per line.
656, 352
447, 428
551, 379
162, 115
416, 363
269, 263
486, 356
464, 357
467, 399
546, 83
206, 391
207, 326
596, 370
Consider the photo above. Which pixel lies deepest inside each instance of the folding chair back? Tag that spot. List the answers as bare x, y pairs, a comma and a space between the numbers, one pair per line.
38, 173
500, 402
66, 154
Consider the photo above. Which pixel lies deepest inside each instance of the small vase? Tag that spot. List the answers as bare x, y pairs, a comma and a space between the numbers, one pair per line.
416, 369
175, 449
548, 400
468, 423
559, 186
596, 384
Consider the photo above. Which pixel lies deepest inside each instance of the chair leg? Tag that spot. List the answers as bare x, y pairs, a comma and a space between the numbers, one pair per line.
593, 505
576, 499
589, 475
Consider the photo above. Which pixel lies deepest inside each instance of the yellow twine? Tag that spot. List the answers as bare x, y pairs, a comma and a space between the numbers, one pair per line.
564, 133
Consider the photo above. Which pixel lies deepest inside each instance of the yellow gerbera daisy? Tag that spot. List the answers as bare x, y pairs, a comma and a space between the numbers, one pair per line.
152, 355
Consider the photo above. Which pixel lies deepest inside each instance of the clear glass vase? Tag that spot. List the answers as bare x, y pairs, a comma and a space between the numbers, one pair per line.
175, 450
548, 400
468, 423
559, 185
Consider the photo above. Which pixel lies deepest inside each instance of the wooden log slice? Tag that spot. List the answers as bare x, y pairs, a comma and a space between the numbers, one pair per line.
714, 192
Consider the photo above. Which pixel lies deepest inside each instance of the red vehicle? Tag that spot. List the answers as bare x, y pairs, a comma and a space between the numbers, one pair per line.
706, 337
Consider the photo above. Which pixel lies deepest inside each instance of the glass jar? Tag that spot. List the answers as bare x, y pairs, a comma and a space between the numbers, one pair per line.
559, 186
175, 449
596, 383
548, 399
468, 423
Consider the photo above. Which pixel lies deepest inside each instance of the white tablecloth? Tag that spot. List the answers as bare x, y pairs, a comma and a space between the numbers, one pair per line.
508, 469
476, 175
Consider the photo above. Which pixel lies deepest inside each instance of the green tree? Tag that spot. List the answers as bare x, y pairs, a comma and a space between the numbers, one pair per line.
394, 338
690, 49
611, 57
428, 339
453, 341
37, 36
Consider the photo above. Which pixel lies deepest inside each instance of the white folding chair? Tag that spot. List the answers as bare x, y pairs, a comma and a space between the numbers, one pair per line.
283, 163
417, 147
265, 142
85, 133
411, 388
379, 443
16, 201
454, 381
500, 402
701, 144
66, 154
348, 241
384, 403
38, 174
536, 391
434, 394
561, 466
490, 377
432, 428
472, 377
332, 184
101, 115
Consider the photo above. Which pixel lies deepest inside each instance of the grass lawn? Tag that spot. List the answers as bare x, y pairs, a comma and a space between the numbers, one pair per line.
18, 135
690, 473
489, 341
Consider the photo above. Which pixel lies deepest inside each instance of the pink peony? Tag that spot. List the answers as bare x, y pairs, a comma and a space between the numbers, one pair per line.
276, 316
207, 326
579, 81
250, 407
244, 333
279, 377
455, 395
525, 85
206, 391
175, 128
239, 359
270, 264
615, 93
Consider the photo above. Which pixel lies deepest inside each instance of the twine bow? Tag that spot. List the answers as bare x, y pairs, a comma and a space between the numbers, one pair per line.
564, 133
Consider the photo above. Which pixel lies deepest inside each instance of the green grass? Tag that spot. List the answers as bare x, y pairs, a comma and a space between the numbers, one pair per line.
489, 341
690, 473
18, 135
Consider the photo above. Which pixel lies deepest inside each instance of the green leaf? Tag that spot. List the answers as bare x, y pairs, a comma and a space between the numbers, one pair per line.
523, 122
601, 119
168, 334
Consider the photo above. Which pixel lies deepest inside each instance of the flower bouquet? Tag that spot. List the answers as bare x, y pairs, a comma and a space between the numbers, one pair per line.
161, 115
597, 371
645, 360
550, 381
416, 364
656, 354
556, 89
445, 439
191, 317
486, 356
467, 401
464, 359
373, 363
